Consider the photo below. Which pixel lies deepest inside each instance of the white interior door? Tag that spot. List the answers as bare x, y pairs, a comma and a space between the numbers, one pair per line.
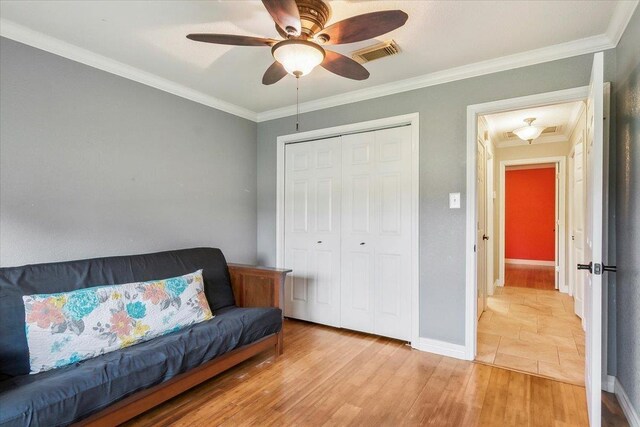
594, 239
577, 225
481, 246
312, 230
376, 232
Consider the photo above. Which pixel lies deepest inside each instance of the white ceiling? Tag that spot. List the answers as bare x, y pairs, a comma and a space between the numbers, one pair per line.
145, 41
563, 116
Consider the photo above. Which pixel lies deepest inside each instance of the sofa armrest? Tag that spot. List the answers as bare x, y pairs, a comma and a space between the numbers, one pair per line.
255, 286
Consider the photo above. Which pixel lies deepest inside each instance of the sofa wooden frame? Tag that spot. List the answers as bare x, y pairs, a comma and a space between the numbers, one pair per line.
252, 287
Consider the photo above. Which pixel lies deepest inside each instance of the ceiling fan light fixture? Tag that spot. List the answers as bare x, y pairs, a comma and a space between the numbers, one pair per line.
528, 132
298, 57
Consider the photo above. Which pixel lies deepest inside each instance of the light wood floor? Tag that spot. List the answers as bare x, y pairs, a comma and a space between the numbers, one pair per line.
533, 331
329, 376
529, 276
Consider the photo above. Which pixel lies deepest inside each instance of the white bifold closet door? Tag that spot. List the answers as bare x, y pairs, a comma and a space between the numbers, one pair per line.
312, 230
348, 231
376, 232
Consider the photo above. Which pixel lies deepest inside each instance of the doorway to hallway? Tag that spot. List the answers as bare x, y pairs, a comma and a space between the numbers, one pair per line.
528, 321
595, 136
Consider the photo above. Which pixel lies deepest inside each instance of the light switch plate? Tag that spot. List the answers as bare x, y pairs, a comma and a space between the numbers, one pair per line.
454, 200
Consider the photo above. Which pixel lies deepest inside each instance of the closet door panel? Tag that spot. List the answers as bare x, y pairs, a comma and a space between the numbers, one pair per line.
357, 313
312, 231
358, 182
390, 204
361, 194
325, 276
300, 199
392, 277
300, 281
389, 272
324, 202
376, 232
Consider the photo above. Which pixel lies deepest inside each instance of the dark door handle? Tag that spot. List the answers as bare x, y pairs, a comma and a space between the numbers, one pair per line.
485, 237
586, 267
361, 243
610, 268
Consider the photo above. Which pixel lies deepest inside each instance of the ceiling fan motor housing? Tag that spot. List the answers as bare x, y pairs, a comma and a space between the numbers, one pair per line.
314, 14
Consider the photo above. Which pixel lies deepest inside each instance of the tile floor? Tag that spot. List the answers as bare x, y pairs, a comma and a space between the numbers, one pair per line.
532, 330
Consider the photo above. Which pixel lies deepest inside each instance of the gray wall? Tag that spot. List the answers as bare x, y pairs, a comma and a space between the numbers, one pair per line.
442, 111
627, 91
92, 164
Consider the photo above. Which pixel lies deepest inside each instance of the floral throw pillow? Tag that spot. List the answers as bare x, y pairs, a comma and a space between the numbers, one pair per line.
68, 327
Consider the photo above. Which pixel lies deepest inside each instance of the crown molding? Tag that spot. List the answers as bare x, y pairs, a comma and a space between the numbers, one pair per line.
522, 59
547, 139
56, 46
620, 19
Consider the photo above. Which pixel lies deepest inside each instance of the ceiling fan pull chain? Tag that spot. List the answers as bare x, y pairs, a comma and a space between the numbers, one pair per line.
297, 103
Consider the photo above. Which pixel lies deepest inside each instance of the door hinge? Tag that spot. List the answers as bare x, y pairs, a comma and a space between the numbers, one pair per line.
597, 268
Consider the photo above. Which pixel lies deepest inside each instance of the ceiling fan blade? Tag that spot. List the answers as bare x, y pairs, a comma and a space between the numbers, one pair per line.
344, 66
273, 74
363, 27
285, 13
232, 39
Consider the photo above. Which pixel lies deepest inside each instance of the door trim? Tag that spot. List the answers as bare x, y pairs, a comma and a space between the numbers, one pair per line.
560, 161
473, 112
491, 279
412, 120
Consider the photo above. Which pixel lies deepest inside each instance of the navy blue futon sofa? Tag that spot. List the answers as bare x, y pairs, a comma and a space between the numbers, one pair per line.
115, 387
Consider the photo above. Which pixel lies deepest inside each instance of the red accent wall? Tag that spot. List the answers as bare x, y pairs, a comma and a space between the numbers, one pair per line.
530, 214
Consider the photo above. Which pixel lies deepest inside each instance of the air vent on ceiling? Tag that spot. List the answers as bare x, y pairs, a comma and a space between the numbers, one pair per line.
550, 129
376, 51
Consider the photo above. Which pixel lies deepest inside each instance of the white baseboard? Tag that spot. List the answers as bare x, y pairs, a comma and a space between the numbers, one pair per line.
627, 407
441, 347
529, 262
609, 383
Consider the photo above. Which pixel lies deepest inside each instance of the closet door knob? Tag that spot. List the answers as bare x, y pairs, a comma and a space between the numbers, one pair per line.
361, 243
319, 241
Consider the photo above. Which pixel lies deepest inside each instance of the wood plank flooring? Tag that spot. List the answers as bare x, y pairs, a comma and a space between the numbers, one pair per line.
534, 331
529, 276
330, 376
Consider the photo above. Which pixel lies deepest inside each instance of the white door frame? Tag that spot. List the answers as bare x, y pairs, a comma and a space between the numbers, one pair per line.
562, 170
473, 112
570, 212
607, 381
572, 260
491, 280
412, 120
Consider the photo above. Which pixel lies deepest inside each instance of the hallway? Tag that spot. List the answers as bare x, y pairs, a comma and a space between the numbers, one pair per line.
534, 331
529, 276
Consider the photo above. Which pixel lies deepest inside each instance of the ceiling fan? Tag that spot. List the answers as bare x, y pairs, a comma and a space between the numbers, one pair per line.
302, 25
